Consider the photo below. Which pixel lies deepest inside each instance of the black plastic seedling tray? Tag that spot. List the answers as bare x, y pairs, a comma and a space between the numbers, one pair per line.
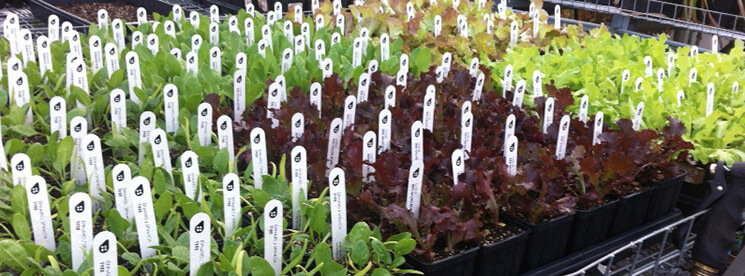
42, 9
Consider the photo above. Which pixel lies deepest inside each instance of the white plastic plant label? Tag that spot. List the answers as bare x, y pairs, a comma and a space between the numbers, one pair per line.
147, 125
357, 52
299, 44
457, 161
95, 51
501, 7
638, 116
287, 56
58, 116
204, 124
231, 200
401, 77
513, 33
507, 82
271, 18
105, 258
384, 130
466, 131
81, 227
537, 84
417, 141
598, 128
680, 96
456, 3
78, 130
287, 30
332, 154
216, 59
39, 212
171, 107
327, 67
137, 39
660, 80
692, 76
262, 48
233, 25
273, 245
214, 33
169, 28
15, 68
369, 150
53, 27
350, 109
465, 108
510, 154
20, 168
118, 31
583, 105
196, 43
548, 114
709, 99
142, 202
557, 17
561, 142
27, 47
638, 84
648, 66
414, 188
315, 96
22, 94
447, 59
141, 16
319, 21
385, 52
250, 9
519, 95
200, 241
80, 77
239, 95
410, 12
715, 44
298, 12
536, 24
214, 14
278, 8
121, 177
372, 66
274, 101
735, 87
258, 155
363, 87
177, 14
134, 77
45, 55
299, 165
509, 131
94, 168
462, 26
240, 61
66, 29
340, 23
338, 196
474, 67
194, 19
438, 25
428, 110
298, 126
320, 49
161, 154
112, 58
305, 32
248, 27
11, 27
190, 175
74, 43
225, 136
192, 63
670, 63
625, 76
390, 96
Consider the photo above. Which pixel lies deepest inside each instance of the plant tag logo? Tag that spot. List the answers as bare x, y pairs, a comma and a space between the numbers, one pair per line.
120, 176
104, 247
139, 191
273, 213
230, 185
80, 207
199, 228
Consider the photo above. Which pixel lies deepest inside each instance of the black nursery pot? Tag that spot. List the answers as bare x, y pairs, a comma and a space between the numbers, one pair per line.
546, 241
461, 264
630, 211
503, 257
664, 197
591, 226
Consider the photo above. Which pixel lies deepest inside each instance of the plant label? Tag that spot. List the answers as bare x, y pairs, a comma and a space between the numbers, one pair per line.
15, 68
177, 14
583, 105
22, 94
214, 14
298, 126
271, 18
142, 201
320, 49
417, 141
112, 58
278, 8
315, 96
509, 131
142, 16
39, 212
204, 124
598, 129
299, 44
58, 116
365, 35
680, 96
287, 30
266, 35
369, 149
332, 154
390, 96
262, 48
134, 78
169, 28
282, 87
287, 56
372, 66
466, 131
248, 26
118, 32
190, 175
74, 43
462, 26
328, 66
66, 29
231, 185
735, 87
161, 154
336, 7
537, 84
80, 76
216, 59
507, 82
648, 66
94, 167
305, 31
147, 125
439, 74
410, 12
298, 12
299, 163
53, 26
192, 63
557, 17
709, 99
447, 59
274, 101
136, 39
78, 130
363, 87
28, 46
340, 24
258, 155
638, 116
457, 160
401, 77
357, 52
548, 114
456, 3
625, 75
350, 108
81, 227
385, 52
11, 27
200, 241
438, 25
414, 189
638, 84
465, 108
233, 25
194, 19
20, 168
45, 55
171, 107
196, 43
214, 33
384, 130
513, 33
240, 61
338, 205
670, 63
474, 67
501, 7
239, 95
517, 98
225, 136
510, 154
319, 21
715, 44
250, 9
428, 112
561, 142
105, 258
536, 24
692, 76
273, 217
94, 44
121, 175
